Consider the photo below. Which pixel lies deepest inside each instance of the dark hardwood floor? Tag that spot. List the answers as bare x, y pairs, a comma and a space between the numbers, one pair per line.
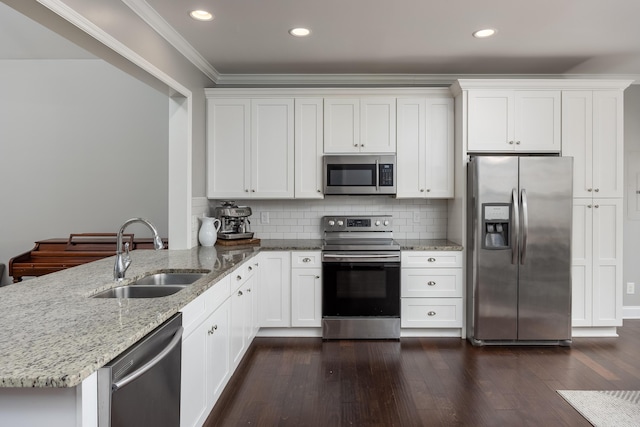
422, 382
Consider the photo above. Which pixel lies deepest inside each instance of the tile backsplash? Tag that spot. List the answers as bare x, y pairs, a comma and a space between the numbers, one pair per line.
300, 219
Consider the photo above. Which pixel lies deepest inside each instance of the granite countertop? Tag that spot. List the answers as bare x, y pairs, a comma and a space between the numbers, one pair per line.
55, 335
428, 245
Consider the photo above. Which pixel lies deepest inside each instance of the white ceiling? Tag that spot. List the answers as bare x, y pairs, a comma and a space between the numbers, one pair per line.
412, 36
401, 37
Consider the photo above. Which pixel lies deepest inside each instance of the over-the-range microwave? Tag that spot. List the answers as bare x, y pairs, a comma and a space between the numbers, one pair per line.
359, 174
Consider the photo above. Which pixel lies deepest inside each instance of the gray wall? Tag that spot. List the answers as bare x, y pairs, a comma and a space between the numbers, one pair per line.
631, 226
83, 147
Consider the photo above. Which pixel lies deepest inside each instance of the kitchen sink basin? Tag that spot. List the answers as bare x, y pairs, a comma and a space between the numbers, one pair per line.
164, 279
140, 291
153, 286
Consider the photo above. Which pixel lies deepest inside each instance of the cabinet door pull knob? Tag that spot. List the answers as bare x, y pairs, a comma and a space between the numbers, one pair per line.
422, 190
306, 259
589, 206
250, 268
238, 277
319, 191
248, 289
510, 142
517, 142
431, 259
589, 190
355, 145
596, 206
317, 277
431, 313
428, 190
431, 283
596, 190
240, 293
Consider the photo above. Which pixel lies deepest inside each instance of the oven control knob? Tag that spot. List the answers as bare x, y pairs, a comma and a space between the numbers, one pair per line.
340, 223
377, 223
331, 223
386, 222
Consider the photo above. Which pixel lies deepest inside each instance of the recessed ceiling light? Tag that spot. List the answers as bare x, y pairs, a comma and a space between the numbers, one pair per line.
201, 15
299, 32
486, 32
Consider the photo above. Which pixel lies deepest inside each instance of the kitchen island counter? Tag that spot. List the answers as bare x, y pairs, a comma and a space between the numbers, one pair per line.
55, 335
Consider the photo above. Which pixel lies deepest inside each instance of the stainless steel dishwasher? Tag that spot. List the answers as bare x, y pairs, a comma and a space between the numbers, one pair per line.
141, 387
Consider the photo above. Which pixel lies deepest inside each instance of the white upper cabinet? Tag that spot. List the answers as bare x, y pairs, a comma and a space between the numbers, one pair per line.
425, 147
592, 133
308, 148
272, 148
250, 148
228, 147
360, 125
513, 120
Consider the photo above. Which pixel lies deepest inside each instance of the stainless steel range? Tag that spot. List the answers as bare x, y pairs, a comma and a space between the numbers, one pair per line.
360, 278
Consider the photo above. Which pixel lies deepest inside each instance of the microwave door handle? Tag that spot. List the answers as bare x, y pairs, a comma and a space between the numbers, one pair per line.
377, 176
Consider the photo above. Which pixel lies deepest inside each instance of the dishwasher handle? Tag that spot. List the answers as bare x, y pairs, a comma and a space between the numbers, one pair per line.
177, 338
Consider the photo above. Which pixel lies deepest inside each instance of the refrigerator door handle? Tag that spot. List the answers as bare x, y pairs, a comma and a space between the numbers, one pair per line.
516, 226
525, 225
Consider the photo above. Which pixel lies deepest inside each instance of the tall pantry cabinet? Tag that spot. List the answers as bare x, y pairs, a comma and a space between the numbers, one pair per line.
578, 118
592, 133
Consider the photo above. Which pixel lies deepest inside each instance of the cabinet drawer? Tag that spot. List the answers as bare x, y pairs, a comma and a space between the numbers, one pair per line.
430, 282
217, 294
431, 313
306, 259
197, 310
446, 259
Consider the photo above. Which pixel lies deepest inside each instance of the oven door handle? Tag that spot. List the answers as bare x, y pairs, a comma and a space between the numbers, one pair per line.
360, 257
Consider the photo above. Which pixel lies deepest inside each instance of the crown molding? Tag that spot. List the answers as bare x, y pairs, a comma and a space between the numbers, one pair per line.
405, 80
162, 27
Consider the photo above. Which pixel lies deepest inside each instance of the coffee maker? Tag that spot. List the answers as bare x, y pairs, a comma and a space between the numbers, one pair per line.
234, 221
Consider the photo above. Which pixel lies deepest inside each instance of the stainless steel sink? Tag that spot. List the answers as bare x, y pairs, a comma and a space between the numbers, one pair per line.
140, 291
165, 279
153, 286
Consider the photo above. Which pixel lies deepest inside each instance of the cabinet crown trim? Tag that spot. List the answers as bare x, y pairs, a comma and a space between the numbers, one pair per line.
326, 92
540, 84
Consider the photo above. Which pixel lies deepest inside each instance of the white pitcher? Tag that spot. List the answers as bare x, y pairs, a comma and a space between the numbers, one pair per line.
209, 231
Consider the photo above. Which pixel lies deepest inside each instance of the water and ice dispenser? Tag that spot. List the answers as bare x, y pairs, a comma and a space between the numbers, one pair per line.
496, 222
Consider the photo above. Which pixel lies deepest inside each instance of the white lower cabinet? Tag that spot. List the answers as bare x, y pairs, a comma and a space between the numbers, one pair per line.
306, 289
596, 268
242, 323
431, 312
218, 328
431, 290
205, 353
275, 289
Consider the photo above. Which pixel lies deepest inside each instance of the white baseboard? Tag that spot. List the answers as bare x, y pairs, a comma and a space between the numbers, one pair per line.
431, 332
594, 332
290, 332
631, 312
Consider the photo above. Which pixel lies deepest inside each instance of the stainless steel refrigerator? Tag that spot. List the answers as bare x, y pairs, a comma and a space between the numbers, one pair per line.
519, 250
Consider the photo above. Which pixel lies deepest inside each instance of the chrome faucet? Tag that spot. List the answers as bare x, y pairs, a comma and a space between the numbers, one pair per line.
123, 260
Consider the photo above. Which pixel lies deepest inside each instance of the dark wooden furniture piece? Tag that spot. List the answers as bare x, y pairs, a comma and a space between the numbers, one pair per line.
52, 255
